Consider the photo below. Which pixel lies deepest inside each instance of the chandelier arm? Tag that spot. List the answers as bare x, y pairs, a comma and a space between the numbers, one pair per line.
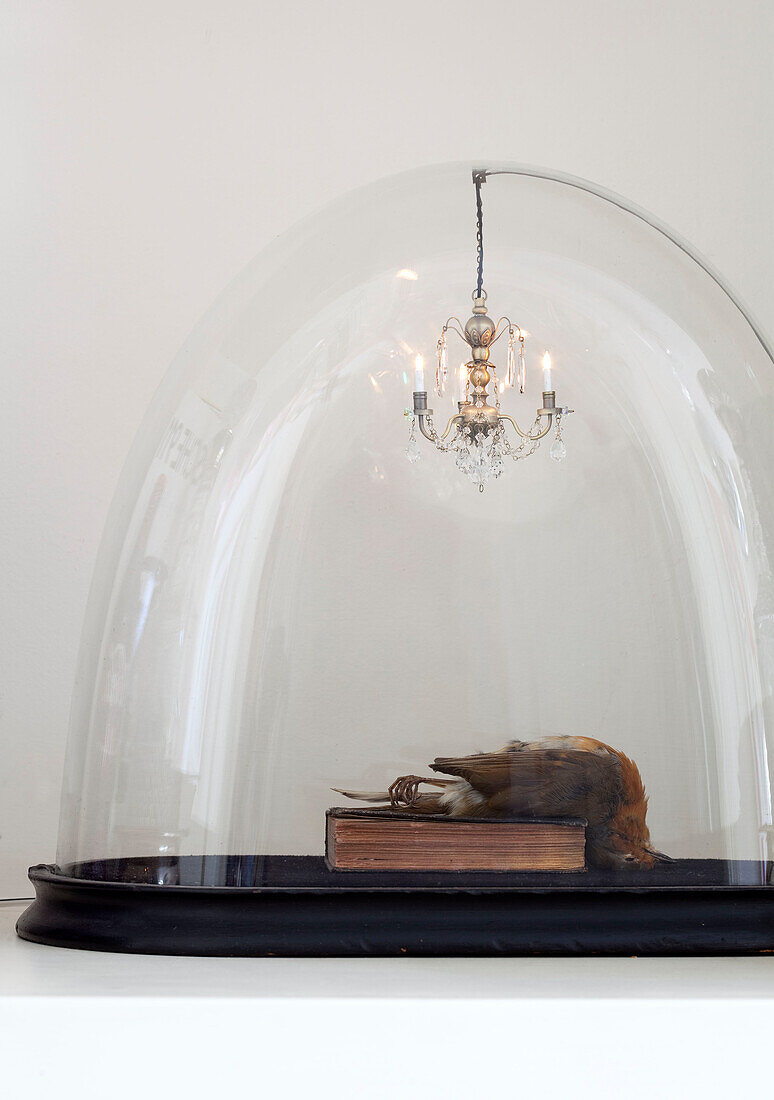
508, 325
427, 434
529, 435
459, 331
434, 434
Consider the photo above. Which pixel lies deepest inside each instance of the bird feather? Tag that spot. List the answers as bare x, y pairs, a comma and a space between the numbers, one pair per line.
549, 781
364, 796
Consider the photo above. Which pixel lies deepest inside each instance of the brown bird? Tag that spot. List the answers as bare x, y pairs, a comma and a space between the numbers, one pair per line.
551, 777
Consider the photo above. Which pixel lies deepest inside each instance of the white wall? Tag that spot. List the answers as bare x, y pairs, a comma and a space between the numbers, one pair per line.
150, 150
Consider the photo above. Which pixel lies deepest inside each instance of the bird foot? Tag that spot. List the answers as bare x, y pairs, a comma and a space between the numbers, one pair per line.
405, 789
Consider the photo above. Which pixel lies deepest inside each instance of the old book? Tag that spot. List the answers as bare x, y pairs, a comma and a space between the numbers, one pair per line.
389, 840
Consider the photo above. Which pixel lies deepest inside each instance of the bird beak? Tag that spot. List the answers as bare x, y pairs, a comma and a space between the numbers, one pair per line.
660, 857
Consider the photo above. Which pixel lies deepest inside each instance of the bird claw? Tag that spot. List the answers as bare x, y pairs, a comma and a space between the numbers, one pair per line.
405, 790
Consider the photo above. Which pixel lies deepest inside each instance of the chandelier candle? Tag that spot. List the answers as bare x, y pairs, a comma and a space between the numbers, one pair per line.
547, 387
419, 373
480, 438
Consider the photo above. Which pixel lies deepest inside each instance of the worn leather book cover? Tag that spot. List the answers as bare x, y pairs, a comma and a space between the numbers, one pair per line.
390, 840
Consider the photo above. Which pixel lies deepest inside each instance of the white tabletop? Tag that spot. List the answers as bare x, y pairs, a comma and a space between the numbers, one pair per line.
108, 1025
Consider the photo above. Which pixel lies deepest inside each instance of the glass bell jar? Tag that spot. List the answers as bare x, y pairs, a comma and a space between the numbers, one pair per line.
435, 608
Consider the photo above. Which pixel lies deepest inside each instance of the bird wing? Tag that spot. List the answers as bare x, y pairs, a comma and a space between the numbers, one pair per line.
547, 782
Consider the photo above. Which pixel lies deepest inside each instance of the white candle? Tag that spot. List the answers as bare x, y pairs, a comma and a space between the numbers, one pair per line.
419, 373
547, 372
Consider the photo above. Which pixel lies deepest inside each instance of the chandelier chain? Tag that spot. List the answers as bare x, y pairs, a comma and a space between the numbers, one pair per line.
478, 179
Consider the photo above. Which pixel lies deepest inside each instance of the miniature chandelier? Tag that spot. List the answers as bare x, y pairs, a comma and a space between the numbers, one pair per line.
480, 440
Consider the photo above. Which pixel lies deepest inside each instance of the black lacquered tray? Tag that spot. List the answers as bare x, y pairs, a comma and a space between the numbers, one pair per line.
293, 905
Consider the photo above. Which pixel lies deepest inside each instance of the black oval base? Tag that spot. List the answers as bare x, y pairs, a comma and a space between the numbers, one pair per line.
295, 906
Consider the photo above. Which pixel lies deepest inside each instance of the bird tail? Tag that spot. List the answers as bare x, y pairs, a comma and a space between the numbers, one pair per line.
364, 796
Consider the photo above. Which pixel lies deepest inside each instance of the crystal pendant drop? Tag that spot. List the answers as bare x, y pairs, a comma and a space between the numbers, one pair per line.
413, 451
510, 374
480, 466
558, 450
441, 369
522, 369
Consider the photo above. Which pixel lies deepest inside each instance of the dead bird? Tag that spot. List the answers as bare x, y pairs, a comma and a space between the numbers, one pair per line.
551, 777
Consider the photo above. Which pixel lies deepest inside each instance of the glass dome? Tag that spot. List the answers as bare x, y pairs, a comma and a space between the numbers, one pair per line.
283, 604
